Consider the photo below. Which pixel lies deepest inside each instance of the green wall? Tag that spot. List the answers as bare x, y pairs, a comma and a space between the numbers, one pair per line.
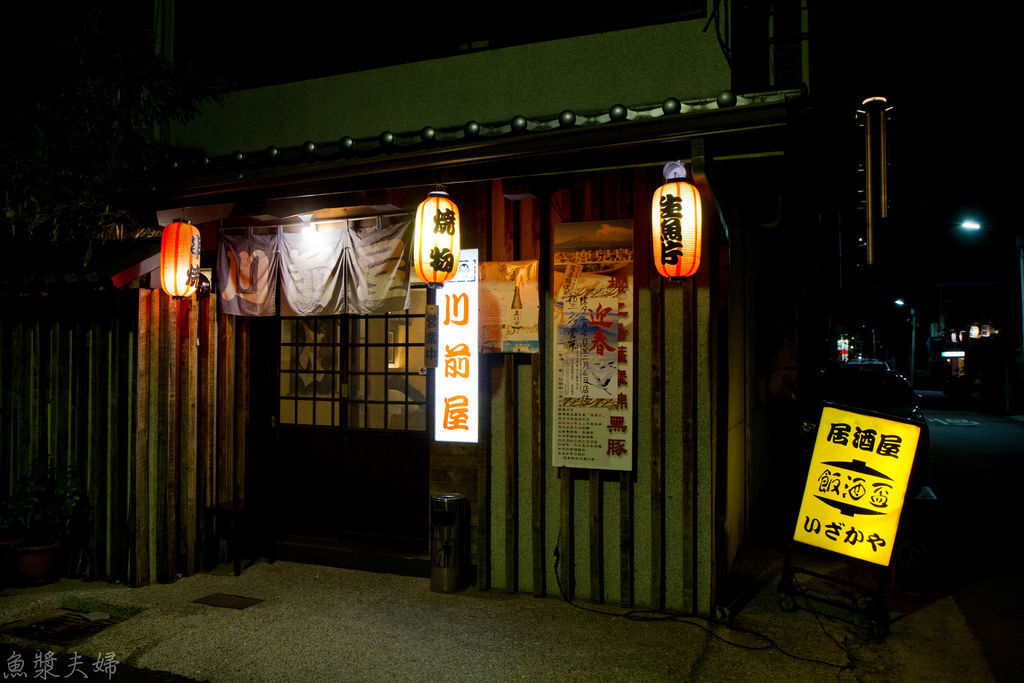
587, 74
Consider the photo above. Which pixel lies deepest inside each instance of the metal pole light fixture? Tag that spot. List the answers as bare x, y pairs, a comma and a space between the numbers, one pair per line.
676, 224
436, 241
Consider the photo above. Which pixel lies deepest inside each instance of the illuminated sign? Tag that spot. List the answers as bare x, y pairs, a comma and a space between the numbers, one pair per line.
856, 484
954, 354
456, 405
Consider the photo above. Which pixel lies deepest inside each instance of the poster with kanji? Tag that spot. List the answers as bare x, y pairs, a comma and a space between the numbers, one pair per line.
858, 477
509, 307
593, 345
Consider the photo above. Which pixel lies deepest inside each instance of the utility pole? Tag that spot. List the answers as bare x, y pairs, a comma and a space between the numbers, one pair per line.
913, 343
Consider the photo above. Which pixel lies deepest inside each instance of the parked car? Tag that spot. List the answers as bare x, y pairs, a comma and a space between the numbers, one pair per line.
867, 386
867, 363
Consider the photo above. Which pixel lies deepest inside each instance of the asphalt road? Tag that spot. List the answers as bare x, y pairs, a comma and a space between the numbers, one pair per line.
971, 540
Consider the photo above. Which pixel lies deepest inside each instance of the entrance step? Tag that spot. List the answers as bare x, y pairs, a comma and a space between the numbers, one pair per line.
374, 556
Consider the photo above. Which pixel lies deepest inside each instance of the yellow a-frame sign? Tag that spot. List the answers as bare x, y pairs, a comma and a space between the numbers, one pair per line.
856, 484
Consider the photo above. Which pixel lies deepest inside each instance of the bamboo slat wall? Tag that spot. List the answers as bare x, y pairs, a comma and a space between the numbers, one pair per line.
145, 399
641, 537
67, 389
192, 416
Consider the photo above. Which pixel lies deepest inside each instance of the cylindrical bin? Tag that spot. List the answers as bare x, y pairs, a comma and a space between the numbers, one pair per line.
449, 542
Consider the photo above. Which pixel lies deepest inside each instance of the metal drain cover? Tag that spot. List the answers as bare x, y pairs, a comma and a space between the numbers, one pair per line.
60, 627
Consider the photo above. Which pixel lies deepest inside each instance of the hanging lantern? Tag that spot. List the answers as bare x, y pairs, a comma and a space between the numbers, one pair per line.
179, 259
675, 225
436, 239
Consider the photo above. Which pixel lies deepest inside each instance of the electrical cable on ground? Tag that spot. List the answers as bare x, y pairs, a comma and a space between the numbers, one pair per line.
683, 618
817, 617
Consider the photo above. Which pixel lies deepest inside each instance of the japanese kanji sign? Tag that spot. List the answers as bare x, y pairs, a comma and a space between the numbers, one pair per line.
456, 377
593, 335
855, 487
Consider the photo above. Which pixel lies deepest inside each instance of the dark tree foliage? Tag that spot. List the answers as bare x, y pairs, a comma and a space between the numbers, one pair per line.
87, 96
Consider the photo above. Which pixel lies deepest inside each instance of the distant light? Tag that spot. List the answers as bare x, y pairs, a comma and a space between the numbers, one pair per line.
970, 225
899, 302
873, 99
954, 354
974, 332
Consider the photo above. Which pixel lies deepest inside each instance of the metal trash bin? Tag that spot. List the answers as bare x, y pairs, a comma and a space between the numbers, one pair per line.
449, 542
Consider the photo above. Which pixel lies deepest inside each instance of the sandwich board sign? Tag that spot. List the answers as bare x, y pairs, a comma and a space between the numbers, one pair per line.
856, 483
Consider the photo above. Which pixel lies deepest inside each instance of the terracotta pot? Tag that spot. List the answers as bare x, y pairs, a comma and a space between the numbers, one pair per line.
7, 547
32, 565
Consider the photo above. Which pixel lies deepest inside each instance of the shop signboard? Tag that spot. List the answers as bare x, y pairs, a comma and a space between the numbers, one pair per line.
856, 484
456, 404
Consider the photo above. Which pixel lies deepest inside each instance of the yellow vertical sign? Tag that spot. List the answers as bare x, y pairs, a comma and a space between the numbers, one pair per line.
856, 483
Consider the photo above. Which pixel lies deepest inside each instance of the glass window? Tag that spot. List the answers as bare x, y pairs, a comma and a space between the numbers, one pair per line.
359, 372
310, 372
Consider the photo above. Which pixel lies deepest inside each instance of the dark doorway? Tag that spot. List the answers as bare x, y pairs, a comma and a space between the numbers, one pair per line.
351, 464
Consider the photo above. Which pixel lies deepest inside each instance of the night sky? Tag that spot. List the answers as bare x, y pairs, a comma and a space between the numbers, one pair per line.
949, 77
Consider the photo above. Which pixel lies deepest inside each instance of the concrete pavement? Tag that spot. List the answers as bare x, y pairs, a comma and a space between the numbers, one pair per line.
319, 623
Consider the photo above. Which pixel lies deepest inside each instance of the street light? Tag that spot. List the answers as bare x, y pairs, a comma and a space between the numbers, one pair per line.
900, 302
1018, 244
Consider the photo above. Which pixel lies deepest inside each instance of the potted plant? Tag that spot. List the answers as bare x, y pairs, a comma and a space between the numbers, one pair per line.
38, 517
10, 536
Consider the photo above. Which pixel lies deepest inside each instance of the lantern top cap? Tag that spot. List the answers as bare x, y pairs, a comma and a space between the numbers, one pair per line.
438, 191
674, 170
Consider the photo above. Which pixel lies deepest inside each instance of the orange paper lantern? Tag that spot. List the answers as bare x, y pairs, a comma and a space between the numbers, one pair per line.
179, 259
436, 239
675, 229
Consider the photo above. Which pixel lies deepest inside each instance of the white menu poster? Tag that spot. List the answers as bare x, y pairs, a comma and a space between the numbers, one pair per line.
593, 345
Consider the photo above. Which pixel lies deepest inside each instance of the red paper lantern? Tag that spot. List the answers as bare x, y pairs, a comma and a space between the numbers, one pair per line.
179, 259
675, 229
435, 241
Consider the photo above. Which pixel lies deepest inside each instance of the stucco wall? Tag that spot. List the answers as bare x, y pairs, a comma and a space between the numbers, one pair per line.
633, 67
